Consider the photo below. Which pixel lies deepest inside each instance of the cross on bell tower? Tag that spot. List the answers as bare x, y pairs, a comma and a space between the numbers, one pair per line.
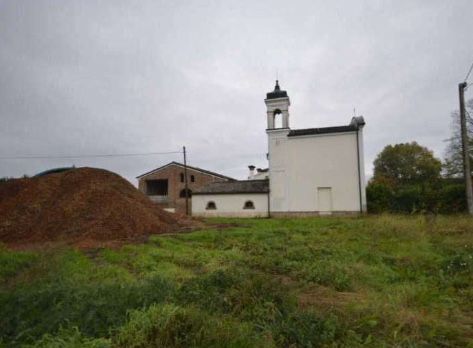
277, 102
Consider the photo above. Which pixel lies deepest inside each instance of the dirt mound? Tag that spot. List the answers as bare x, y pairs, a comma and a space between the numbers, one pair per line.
81, 206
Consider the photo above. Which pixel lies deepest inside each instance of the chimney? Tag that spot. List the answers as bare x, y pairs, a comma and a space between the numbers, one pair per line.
252, 171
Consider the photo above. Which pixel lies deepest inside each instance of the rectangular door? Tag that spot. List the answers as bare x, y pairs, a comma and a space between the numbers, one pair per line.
324, 200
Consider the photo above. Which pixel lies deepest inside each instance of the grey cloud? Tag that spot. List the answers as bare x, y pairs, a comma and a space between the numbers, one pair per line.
81, 77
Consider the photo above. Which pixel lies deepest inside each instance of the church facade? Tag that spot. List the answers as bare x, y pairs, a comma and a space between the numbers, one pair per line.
314, 171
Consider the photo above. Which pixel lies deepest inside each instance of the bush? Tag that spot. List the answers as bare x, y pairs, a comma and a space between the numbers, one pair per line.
379, 197
442, 196
408, 199
452, 198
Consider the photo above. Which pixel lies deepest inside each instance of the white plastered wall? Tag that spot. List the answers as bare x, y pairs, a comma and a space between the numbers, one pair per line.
230, 205
362, 170
300, 165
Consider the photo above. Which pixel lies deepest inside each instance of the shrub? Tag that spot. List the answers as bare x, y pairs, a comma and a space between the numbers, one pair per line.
408, 199
452, 198
442, 196
379, 197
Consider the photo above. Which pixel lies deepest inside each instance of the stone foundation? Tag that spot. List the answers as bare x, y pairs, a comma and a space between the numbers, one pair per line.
289, 214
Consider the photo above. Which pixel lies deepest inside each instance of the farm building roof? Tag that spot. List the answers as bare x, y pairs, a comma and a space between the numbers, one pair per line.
188, 167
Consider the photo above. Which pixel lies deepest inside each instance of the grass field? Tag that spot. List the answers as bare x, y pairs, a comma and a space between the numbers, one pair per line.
385, 281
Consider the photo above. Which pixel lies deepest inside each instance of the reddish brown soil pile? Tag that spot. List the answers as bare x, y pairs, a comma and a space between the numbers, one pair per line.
80, 206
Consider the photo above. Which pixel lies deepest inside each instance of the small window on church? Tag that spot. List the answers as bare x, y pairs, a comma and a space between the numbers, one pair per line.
249, 205
277, 118
211, 206
192, 178
182, 177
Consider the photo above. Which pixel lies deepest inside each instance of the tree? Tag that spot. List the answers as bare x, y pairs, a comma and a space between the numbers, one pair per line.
406, 179
406, 164
453, 164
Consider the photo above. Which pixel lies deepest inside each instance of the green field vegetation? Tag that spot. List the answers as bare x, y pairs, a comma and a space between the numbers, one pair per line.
379, 281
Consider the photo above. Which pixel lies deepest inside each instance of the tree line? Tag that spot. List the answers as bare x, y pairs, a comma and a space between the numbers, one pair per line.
408, 178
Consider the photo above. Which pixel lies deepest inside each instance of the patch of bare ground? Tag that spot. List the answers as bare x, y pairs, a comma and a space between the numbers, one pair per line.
223, 226
323, 297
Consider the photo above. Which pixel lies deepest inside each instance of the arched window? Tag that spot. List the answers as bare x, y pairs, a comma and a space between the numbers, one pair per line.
277, 115
211, 206
192, 178
182, 177
182, 194
249, 205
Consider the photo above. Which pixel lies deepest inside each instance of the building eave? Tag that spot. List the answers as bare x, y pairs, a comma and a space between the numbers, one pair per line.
322, 131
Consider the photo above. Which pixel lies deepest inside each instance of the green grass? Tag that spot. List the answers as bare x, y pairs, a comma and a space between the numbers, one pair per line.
378, 281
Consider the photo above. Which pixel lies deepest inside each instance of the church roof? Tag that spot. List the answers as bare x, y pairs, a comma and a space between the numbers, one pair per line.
323, 130
277, 93
233, 187
355, 124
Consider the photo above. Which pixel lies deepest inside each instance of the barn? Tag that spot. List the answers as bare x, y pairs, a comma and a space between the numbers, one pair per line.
166, 185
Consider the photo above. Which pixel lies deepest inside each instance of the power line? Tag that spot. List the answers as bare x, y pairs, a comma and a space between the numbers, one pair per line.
88, 156
469, 72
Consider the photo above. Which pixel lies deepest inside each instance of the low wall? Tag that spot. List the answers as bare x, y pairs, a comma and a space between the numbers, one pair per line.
313, 213
230, 205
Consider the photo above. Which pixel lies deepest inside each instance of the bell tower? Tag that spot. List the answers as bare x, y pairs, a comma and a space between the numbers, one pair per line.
277, 105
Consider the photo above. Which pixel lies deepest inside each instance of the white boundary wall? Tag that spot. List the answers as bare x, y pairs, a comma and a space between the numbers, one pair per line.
230, 205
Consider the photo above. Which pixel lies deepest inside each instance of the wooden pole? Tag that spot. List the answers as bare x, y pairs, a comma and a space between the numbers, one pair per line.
186, 187
465, 149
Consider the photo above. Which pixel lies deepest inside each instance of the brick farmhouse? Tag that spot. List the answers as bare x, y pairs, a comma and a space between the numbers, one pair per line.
166, 185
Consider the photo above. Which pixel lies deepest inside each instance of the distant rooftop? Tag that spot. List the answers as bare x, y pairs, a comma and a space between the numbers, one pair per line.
188, 167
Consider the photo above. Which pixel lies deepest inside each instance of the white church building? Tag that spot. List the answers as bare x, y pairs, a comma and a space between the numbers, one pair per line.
314, 171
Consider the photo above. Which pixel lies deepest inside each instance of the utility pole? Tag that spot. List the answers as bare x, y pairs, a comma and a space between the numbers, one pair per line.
466, 156
186, 188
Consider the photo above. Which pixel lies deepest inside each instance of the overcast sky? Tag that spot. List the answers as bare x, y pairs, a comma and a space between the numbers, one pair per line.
111, 77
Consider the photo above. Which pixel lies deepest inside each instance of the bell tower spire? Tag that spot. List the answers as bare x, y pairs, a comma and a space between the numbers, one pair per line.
277, 103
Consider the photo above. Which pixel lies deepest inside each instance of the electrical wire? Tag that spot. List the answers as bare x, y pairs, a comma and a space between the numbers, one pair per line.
87, 156
469, 72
